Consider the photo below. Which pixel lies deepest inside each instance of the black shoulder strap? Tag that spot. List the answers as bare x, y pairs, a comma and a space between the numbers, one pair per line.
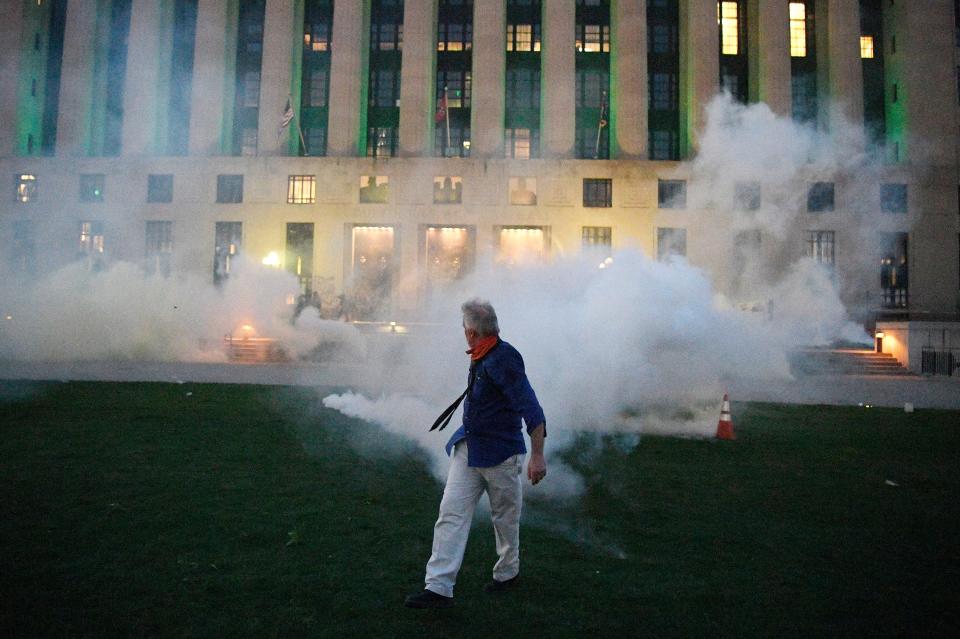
446, 415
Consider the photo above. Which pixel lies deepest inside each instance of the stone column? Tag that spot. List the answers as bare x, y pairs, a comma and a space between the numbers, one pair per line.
209, 69
346, 76
773, 56
629, 88
10, 76
76, 78
845, 69
699, 67
276, 67
559, 79
417, 77
489, 70
141, 97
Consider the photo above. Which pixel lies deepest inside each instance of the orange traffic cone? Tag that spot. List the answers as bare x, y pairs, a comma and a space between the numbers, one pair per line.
725, 425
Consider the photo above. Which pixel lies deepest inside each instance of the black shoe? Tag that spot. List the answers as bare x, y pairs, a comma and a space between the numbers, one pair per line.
501, 586
428, 599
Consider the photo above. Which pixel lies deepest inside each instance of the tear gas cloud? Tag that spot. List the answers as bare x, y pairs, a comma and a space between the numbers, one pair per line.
639, 346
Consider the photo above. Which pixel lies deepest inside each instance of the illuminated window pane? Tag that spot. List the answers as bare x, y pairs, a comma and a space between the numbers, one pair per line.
820, 247
374, 189
448, 253
521, 246
523, 191
91, 238
301, 189
447, 189
26, 187
866, 46
729, 28
798, 30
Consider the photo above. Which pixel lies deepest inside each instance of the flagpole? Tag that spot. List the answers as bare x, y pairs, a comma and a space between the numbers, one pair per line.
446, 117
302, 141
603, 104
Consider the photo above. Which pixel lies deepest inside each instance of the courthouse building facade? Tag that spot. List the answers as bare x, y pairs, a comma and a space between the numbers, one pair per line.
388, 147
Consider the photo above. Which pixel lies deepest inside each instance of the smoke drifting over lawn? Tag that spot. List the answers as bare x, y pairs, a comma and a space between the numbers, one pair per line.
637, 346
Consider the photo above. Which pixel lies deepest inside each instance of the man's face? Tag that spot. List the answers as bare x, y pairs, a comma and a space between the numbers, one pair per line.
471, 336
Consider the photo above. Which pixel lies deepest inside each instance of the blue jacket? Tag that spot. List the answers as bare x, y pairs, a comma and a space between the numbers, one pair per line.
500, 396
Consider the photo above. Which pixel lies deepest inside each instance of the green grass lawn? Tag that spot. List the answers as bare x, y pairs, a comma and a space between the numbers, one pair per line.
240, 511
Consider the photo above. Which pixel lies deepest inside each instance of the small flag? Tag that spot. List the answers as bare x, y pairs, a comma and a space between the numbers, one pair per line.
441, 114
603, 109
287, 116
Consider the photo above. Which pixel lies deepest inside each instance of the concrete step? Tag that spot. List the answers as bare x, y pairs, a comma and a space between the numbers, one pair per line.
844, 361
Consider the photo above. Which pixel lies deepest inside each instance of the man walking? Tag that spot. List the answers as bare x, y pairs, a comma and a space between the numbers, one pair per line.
486, 455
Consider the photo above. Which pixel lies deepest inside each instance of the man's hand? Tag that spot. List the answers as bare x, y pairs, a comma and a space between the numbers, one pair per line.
536, 468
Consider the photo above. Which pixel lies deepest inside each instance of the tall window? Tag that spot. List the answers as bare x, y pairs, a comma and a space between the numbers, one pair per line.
248, 61
383, 78
592, 42
798, 29
315, 80
820, 247
663, 72
522, 104
729, 28
299, 254
91, 238
159, 247
301, 189
226, 248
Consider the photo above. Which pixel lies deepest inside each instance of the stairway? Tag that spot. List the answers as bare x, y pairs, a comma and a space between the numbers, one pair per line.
844, 361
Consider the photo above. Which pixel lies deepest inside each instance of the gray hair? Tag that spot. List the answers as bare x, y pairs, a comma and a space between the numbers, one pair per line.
479, 315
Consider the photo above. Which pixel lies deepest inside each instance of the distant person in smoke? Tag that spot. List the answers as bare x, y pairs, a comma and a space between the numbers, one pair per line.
487, 454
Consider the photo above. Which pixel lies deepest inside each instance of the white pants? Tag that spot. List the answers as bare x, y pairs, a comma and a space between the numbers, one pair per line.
460, 497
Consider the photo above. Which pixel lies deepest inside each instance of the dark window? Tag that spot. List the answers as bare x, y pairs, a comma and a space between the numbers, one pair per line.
22, 254
820, 197
160, 188
591, 87
671, 242
820, 247
455, 36
457, 83
598, 192
672, 194
384, 87
896, 93
382, 142
229, 189
91, 187
893, 198
523, 88
663, 91
317, 88
663, 38
159, 247
386, 36
316, 138
747, 196
664, 144
457, 146
592, 142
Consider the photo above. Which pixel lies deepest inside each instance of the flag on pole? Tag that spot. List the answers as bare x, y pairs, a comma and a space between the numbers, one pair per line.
287, 116
603, 109
441, 113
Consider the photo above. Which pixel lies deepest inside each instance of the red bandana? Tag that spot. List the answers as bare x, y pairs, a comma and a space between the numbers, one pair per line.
483, 347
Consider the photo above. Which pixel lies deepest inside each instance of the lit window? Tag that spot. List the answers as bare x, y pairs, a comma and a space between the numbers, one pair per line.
729, 27
301, 189
593, 38
26, 187
317, 38
521, 245
523, 37
596, 236
91, 238
159, 247
798, 30
517, 143
866, 47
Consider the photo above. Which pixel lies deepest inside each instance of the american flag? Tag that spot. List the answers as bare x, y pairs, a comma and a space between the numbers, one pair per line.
441, 113
287, 116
